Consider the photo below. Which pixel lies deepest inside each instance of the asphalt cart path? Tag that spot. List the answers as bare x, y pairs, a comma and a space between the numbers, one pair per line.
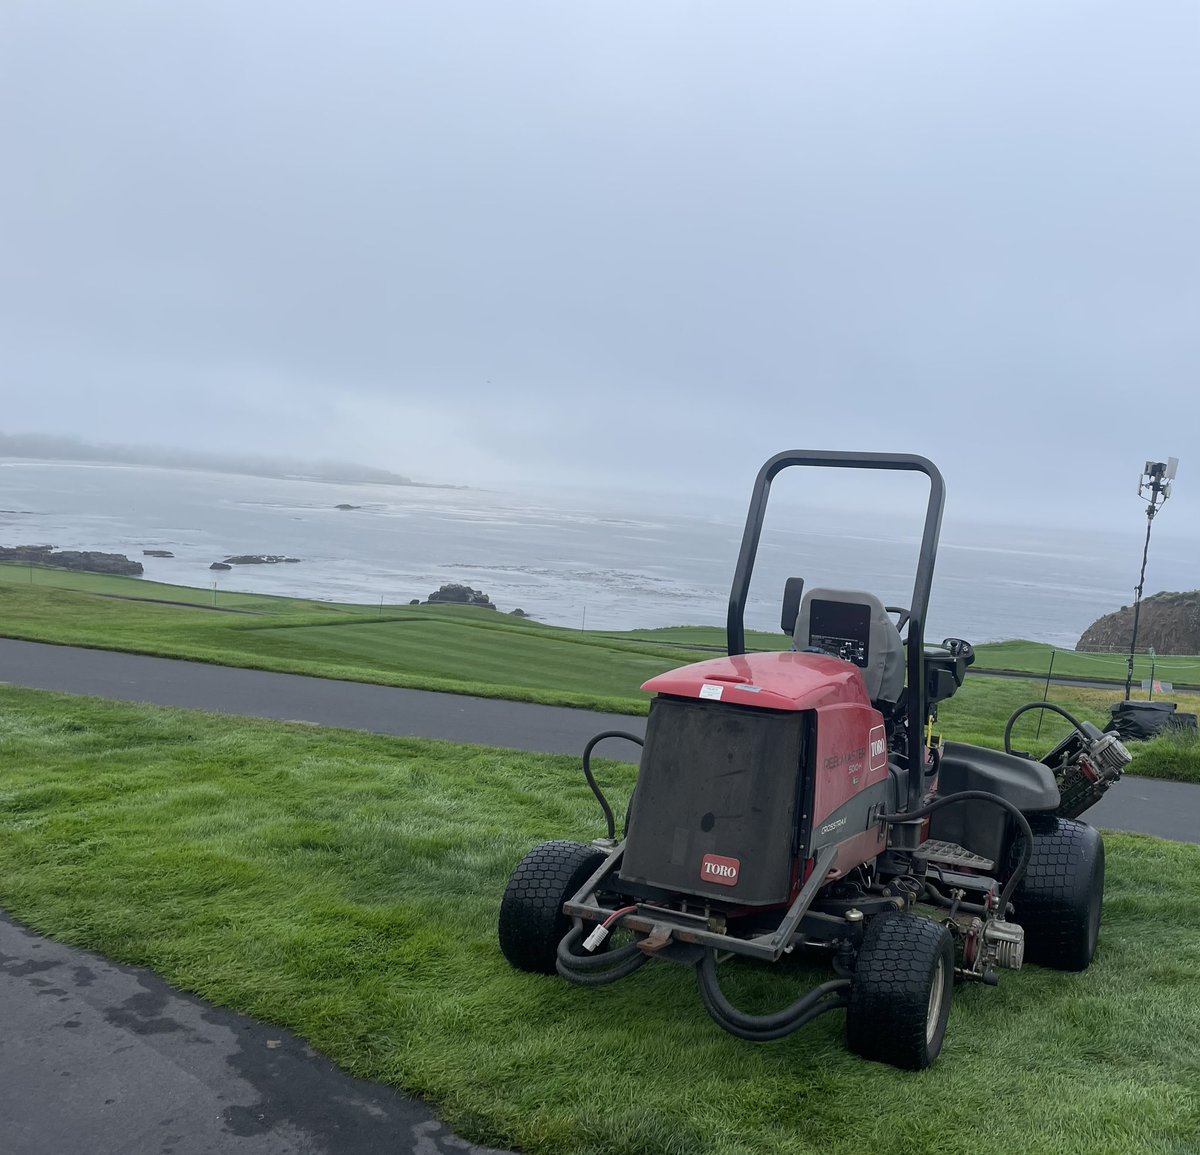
1141, 805
297, 698
103, 1059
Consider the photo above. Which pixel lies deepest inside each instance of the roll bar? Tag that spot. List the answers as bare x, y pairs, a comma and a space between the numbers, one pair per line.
735, 628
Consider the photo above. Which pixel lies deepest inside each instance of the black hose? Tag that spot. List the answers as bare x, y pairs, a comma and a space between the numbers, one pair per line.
590, 962
767, 1036
980, 796
763, 1028
1035, 706
601, 978
591, 781
941, 899
585, 970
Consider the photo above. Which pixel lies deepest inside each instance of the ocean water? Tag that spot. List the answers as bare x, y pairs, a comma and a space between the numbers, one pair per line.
600, 561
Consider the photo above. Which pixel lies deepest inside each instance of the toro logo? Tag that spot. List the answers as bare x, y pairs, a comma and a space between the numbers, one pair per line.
878, 747
722, 871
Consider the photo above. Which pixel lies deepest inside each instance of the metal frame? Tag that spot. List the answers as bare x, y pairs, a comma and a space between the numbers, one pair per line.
923, 584
694, 929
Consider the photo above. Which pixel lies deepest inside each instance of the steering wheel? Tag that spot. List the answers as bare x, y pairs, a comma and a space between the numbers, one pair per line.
1037, 706
902, 620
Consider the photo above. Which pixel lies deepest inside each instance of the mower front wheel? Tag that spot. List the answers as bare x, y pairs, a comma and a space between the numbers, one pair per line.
532, 923
901, 990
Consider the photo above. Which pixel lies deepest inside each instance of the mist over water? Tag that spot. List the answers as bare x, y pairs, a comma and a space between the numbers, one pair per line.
606, 561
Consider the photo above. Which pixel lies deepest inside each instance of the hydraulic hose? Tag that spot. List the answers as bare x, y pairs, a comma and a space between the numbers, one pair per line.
763, 1028
980, 796
596, 970
1036, 706
590, 962
941, 899
601, 978
591, 781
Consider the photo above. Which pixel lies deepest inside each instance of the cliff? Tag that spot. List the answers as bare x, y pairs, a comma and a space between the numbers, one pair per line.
1170, 622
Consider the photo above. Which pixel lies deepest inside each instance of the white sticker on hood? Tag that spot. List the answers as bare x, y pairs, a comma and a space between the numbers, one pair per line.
708, 690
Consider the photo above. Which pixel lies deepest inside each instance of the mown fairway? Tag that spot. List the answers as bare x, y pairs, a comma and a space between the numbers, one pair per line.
347, 886
466, 651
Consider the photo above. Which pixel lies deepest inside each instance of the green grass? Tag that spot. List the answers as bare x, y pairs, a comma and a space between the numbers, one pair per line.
140, 589
1014, 657
346, 886
704, 637
980, 710
1022, 657
456, 649
464, 650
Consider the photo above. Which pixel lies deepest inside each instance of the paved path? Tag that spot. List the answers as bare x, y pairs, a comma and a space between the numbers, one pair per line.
132, 1078
101, 1059
292, 697
1142, 805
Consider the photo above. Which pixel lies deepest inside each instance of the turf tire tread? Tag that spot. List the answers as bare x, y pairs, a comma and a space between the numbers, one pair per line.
531, 920
889, 995
1053, 900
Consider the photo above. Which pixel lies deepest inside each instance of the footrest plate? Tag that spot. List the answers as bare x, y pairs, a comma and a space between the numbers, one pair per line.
951, 854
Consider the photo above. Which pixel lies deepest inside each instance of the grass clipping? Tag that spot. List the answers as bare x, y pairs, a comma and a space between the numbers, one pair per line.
346, 886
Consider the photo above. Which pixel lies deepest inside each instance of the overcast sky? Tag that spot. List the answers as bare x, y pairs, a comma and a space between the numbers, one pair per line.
614, 244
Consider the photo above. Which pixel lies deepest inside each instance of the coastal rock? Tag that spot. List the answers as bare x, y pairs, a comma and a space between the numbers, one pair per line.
346, 505
157, 553
518, 613
1168, 622
459, 595
259, 559
81, 561
220, 565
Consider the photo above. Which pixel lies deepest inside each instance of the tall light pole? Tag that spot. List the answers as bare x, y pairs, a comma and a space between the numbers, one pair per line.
1157, 478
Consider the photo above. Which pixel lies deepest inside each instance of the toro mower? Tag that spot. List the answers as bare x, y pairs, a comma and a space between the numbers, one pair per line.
801, 802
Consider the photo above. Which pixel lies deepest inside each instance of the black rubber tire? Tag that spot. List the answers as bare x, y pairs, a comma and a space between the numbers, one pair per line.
1060, 899
532, 923
901, 991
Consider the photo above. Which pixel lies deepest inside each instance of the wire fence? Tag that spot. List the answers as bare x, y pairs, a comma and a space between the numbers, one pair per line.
1153, 673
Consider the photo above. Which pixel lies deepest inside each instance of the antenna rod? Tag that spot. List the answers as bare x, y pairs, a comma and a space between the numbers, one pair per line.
1157, 476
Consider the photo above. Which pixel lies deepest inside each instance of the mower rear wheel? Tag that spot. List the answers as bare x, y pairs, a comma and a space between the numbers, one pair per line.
901, 991
1059, 900
532, 923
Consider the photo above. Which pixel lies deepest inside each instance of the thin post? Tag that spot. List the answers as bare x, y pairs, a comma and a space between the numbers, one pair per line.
1157, 477
1045, 693
1137, 604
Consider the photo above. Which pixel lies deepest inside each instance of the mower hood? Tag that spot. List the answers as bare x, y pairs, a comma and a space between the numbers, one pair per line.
776, 681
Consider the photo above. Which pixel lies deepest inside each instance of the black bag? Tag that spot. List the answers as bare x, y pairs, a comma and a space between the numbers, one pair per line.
1137, 721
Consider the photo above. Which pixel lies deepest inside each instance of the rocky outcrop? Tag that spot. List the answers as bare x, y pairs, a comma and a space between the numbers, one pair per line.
220, 565
157, 553
82, 561
459, 595
259, 559
1168, 622
346, 505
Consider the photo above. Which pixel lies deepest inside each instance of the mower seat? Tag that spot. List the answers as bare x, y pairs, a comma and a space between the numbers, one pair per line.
854, 626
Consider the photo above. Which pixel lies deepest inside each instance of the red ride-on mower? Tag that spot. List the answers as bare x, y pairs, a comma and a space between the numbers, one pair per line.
800, 801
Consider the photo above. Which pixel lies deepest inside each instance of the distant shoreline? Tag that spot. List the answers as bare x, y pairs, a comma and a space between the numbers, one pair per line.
396, 480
